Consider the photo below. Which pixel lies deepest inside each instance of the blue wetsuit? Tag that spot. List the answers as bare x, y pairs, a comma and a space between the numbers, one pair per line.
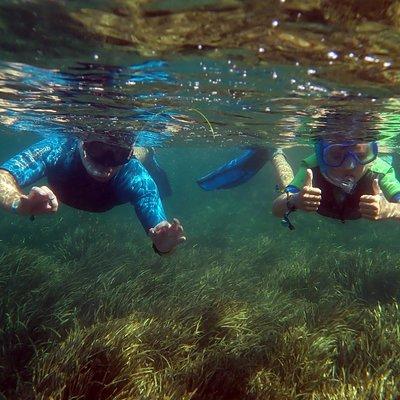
59, 159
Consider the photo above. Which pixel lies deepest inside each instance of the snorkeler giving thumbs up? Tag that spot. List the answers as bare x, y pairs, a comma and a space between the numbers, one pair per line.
309, 197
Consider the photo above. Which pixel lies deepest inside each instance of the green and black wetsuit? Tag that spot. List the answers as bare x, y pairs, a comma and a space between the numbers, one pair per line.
335, 203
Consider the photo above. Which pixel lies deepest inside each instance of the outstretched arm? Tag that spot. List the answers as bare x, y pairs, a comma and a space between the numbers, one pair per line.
10, 193
40, 200
136, 186
23, 169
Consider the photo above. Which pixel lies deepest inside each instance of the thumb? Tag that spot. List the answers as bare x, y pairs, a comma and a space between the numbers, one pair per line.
309, 178
375, 187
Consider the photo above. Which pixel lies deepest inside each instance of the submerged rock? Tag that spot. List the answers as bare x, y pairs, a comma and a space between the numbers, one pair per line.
306, 31
345, 39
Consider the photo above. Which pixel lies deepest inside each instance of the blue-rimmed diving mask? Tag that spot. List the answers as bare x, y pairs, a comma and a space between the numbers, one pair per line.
335, 154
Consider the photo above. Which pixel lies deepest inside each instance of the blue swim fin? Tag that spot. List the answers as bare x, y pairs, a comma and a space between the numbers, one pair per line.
158, 174
236, 171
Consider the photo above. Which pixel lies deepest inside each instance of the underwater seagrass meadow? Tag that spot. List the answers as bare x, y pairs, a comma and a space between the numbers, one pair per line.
245, 309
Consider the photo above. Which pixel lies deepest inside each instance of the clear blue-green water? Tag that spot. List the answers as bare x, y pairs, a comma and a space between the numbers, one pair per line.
245, 309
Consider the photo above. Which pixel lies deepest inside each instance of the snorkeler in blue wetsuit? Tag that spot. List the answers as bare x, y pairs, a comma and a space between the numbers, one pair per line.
89, 175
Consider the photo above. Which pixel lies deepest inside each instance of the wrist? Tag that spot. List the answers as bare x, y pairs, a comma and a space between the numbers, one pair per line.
291, 201
390, 211
15, 206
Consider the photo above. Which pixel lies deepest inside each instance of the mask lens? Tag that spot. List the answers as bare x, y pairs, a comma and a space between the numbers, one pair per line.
365, 153
334, 155
106, 154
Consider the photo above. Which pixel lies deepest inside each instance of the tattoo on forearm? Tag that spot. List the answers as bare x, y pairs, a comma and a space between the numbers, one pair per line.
9, 190
283, 171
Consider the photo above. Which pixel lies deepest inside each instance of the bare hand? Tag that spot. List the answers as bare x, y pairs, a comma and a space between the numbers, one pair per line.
40, 200
375, 206
166, 236
309, 197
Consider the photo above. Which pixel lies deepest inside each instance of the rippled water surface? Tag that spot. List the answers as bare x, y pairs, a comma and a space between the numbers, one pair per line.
216, 73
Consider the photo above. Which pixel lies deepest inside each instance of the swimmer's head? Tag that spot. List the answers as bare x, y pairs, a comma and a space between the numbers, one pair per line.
346, 145
103, 160
344, 162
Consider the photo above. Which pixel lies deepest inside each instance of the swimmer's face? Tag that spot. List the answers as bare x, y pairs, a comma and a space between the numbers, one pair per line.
350, 166
95, 169
349, 160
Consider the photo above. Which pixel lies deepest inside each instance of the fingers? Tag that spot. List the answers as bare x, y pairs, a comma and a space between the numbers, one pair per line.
161, 226
311, 197
181, 239
177, 226
178, 229
166, 236
312, 190
175, 221
52, 200
42, 191
369, 210
38, 191
164, 226
42, 200
367, 199
309, 178
370, 198
312, 204
368, 202
162, 229
375, 187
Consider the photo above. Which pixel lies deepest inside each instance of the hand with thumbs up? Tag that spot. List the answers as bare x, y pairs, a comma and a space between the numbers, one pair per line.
309, 197
374, 206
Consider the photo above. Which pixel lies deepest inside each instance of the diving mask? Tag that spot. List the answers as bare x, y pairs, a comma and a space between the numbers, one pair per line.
107, 155
335, 154
101, 160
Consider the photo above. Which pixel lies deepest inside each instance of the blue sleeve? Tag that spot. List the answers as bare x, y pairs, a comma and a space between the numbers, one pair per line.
136, 186
30, 165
